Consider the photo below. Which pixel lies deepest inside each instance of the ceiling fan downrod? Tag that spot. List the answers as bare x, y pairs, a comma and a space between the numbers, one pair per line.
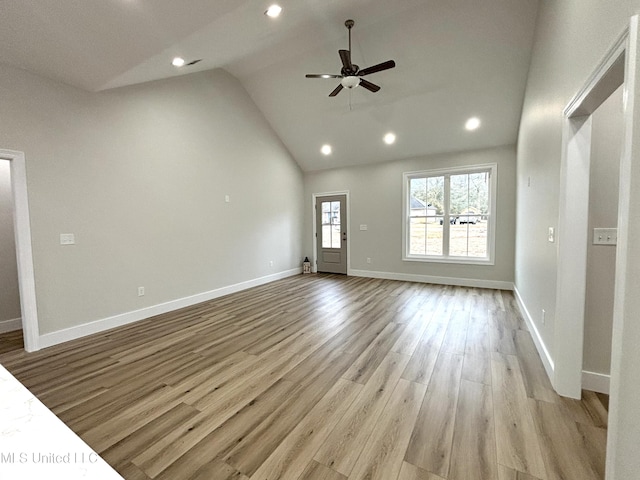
349, 24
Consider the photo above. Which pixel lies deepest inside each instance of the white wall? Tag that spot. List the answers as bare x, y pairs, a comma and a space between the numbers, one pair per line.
606, 146
572, 37
140, 175
9, 294
376, 200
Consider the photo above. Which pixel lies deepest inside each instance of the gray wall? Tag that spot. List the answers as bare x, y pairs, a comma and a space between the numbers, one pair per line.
572, 36
606, 144
9, 294
140, 175
376, 200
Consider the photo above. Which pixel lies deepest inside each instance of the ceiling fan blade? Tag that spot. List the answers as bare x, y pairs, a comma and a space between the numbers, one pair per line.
372, 87
345, 56
337, 90
322, 75
377, 68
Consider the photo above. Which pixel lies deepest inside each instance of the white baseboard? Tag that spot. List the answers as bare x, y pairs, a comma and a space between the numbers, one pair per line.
409, 277
547, 360
97, 326
10, 325
596, 382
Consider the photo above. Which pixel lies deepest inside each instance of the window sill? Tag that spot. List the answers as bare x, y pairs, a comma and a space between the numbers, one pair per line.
450, 260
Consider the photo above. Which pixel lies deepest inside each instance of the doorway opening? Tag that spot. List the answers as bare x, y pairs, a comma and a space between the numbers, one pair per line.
23, 250
573, 234
10, 315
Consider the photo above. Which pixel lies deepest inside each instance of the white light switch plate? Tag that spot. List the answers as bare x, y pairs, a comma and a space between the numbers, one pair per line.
363, 227
605, 236
67, 239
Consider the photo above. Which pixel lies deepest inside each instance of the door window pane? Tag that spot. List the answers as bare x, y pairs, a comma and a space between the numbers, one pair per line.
331, 225
326, 236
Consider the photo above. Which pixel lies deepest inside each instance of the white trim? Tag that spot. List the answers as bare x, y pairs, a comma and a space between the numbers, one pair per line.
314, 237
24, 254
10, 325
573, 235
614, 58
108, 323
622, 433
596, 382
572, 240
543, 352
491, 231
410, 277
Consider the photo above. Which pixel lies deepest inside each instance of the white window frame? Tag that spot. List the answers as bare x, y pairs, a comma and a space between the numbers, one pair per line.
492, 168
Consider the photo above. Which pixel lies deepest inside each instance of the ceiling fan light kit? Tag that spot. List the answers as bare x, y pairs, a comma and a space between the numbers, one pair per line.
350, 73
350, 82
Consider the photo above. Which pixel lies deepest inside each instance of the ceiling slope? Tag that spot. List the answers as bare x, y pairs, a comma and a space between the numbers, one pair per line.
455, 59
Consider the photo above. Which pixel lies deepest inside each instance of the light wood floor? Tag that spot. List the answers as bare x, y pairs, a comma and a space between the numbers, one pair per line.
323, 377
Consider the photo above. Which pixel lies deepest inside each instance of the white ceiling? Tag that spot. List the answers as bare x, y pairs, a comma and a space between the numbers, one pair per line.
455, 59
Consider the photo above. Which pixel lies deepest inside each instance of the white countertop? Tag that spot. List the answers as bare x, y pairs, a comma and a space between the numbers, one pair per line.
35, 444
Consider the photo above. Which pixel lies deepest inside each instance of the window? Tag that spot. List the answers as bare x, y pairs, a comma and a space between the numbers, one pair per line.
331, 225
449, 215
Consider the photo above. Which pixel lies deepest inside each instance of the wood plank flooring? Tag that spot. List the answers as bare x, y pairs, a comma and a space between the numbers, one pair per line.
322, 377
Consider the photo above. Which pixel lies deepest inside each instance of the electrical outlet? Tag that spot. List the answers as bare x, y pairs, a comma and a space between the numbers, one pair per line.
552, 234
368, 260
271, 263
141, 291
544, 315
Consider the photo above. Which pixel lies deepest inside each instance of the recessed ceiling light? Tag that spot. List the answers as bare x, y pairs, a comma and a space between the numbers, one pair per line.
178, 62
389, 138
472, 123
326, 149
273, 11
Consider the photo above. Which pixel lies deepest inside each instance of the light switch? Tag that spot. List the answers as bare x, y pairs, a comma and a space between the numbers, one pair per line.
67, 239
227, 198
605, 236
363, 227
552, 234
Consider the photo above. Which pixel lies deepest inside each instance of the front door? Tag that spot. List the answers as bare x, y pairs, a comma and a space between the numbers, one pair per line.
331, 228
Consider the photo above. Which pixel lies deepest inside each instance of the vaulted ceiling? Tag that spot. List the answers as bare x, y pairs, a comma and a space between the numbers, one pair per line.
455, 59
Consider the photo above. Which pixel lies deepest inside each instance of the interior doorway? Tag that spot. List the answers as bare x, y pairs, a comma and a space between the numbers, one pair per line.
23, 249
604, 193
10, 315
331, 240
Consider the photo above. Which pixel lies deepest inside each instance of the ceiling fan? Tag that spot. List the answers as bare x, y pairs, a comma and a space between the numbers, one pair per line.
350, 73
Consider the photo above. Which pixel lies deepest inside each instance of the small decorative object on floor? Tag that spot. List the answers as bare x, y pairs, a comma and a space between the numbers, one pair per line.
306, 265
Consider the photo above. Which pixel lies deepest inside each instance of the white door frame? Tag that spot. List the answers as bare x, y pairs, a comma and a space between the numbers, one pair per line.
314, 196
622, 61
573, 235
24, 254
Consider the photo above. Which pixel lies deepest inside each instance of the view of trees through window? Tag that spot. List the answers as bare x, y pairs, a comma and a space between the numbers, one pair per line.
449, 214
469, 191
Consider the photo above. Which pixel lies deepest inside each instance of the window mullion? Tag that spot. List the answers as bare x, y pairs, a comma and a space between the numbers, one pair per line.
446, 224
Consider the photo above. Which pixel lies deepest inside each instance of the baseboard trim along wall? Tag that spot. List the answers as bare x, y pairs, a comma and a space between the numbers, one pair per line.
97, 326
409, 277
547, 360
10, 325
596, 382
